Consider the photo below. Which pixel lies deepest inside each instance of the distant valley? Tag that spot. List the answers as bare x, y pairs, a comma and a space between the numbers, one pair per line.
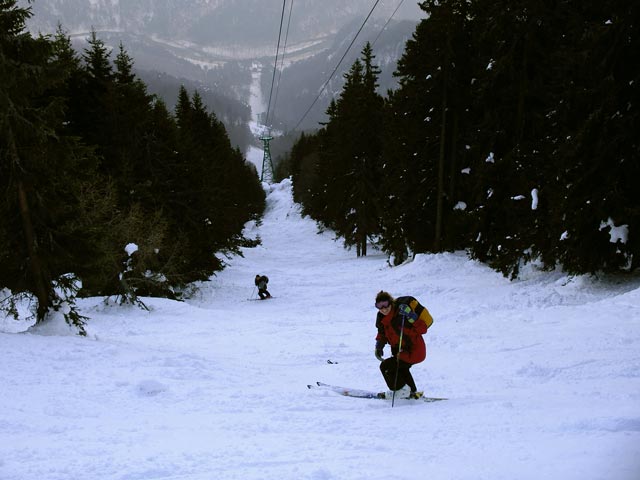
212, 45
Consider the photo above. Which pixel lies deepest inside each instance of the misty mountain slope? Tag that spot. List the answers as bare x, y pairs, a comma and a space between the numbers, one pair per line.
196, 39
302, 81
207, 22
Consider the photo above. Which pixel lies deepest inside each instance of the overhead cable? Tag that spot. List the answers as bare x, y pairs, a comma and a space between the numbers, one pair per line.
385, 25
284, 3
337, 66
284, 51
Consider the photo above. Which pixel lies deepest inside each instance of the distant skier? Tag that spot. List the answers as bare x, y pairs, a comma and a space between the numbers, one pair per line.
261, 282
401, 320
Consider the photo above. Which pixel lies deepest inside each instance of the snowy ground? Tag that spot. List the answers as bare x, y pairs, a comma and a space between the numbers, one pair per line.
542, 375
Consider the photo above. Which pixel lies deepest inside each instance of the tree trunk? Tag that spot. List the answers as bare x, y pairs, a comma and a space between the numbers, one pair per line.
453, 170
437, 243
35, 265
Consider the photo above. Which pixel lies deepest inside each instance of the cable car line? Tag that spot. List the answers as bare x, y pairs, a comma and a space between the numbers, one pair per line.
284, 3
284, 51
337, 66
385, 25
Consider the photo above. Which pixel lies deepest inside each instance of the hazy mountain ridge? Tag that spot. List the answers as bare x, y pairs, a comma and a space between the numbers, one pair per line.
215, 42
150, 17
190, 37
206, 22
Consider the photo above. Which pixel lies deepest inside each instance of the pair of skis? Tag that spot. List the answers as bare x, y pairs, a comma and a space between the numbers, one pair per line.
358, 393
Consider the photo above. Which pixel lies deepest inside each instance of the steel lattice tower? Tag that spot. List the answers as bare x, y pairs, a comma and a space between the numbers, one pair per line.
267, 164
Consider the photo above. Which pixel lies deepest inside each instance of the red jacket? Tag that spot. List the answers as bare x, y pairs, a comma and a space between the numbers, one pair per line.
413, 348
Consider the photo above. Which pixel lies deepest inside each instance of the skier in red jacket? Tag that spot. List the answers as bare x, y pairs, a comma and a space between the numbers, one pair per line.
401, 322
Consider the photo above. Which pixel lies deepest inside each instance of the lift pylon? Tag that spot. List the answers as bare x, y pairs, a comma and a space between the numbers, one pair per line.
267, 164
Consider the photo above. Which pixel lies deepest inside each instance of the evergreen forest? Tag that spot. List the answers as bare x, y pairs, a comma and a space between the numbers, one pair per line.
104, 190
513, 135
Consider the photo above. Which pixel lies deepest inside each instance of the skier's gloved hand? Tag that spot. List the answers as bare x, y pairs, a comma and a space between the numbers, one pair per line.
379, 351
409, 314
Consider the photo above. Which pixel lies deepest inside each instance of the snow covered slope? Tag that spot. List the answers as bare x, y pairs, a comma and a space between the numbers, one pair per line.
543, 375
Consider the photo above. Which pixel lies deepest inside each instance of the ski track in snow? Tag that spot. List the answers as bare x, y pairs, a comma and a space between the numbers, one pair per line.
542, 375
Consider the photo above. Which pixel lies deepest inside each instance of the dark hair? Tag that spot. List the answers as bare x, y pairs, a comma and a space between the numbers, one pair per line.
382, 296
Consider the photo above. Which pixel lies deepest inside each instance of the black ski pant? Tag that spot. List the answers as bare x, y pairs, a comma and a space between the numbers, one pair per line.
390, 366
264, 293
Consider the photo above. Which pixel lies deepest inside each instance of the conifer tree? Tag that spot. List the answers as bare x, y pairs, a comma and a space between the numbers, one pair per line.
96, 57
90, 114
426, 125
124, 67
211, 194
597, 225
52, 198
303, 164
513, 94
128, 143
350, 160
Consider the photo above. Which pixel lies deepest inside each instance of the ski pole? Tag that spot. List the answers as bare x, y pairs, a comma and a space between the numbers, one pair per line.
395, 382
252, 292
